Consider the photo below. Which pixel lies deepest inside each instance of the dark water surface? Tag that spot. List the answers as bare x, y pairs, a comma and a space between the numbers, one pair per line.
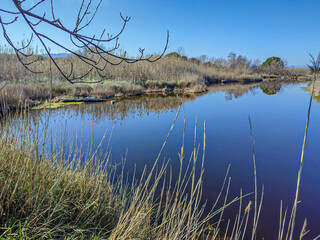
278, 114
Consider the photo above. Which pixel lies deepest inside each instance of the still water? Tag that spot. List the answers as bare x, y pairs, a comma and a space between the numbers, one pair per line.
278, 114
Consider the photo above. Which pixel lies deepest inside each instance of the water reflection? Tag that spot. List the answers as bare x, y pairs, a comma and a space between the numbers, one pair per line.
317, 91
121, 109
234, 91
270, 88
278, 111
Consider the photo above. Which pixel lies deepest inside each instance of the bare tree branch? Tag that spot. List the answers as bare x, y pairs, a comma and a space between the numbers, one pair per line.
93, 54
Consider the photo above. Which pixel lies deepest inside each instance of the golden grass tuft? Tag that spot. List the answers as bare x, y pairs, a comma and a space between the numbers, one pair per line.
50, 195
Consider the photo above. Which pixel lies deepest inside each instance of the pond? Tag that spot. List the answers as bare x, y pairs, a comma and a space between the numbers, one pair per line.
278, 113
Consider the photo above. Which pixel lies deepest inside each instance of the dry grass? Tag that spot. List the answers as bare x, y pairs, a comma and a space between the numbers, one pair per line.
316, 93
172, 72
49, 195
300, 71
34, 92
169, 68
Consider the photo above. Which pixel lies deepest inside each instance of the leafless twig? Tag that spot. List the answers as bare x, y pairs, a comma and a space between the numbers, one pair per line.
92, 53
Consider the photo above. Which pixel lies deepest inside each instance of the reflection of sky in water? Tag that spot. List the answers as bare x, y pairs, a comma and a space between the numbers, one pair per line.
141, 126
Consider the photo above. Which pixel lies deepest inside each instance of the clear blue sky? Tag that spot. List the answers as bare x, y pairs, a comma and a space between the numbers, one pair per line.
257, 29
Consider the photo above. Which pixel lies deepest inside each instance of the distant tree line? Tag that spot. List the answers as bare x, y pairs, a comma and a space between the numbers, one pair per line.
273, 65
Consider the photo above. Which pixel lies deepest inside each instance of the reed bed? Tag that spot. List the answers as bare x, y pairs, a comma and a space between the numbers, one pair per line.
170, 72
50, 195
172, 67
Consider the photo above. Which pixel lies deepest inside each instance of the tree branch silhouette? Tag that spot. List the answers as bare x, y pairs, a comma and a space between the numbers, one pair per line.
91, 49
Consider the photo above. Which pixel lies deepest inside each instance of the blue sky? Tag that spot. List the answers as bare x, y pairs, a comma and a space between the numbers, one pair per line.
254, 28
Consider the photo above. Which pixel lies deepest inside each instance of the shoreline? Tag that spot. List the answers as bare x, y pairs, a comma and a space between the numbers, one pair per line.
120, 92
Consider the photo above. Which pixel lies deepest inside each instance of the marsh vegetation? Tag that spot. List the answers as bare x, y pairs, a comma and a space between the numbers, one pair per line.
66, 174
135, 168
173, 72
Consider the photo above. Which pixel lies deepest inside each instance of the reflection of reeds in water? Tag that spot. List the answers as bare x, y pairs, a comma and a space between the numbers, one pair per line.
316, 91
156, 103
168, 72
49, 195
126, 107
234, 91
80, 196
